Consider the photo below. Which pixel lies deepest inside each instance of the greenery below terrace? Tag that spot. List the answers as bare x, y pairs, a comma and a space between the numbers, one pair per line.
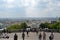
16, 26
42, 25
50, 26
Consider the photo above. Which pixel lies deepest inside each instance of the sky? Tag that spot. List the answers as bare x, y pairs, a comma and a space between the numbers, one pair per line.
29, 8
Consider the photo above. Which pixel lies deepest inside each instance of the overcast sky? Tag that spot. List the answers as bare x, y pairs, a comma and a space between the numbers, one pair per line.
29, 8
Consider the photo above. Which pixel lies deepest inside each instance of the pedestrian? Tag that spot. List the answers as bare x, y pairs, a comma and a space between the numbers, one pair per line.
51, 37
44, 36
23, 36
40, 36
15, 37
28, 33
36, 31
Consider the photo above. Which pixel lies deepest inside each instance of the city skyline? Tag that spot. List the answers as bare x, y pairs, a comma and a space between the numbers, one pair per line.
29, 8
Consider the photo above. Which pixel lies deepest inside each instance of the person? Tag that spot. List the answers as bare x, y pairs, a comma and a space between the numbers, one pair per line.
36, 31
51, 37
40, 36
15, 37
23, 36
44, 36
28, 33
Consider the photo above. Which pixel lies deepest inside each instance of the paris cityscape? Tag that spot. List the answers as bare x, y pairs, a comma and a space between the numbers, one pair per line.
29, 19
9, 27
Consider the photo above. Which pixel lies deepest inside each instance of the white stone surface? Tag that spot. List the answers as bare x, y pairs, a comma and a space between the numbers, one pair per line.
32, 36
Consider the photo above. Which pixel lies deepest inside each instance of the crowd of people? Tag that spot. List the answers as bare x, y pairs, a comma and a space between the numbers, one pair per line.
40, 36
51, 37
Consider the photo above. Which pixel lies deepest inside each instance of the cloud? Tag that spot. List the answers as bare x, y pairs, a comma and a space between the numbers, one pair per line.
43, 8
37, 10
30, 8
8, 1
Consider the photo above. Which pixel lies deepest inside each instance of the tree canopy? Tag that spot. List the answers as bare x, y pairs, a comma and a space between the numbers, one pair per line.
16, 26
50, 26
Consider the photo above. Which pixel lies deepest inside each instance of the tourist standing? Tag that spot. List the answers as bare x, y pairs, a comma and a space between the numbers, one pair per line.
40, 36
23, 36
37, 31
44, 36
28, 33
51, 37
15, 37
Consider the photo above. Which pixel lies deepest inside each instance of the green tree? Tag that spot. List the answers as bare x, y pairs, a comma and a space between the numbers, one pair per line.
23, 25
43, 25
54, 26
59, 19
16, 26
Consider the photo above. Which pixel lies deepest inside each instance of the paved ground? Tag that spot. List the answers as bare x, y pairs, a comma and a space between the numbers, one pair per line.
32, 36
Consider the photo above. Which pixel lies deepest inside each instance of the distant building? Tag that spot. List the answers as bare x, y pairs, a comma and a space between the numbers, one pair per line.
53, 22
58, 20
34, 25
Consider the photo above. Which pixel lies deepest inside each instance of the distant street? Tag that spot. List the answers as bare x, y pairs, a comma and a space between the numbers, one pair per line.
32, 36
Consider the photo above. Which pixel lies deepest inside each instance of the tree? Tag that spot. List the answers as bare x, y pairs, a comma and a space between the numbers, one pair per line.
59, 19
13, 27
23, 25
16, 26
55, 25
50, 26
43, 25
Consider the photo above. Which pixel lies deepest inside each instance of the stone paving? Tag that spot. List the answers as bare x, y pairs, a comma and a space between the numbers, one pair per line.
32, 36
